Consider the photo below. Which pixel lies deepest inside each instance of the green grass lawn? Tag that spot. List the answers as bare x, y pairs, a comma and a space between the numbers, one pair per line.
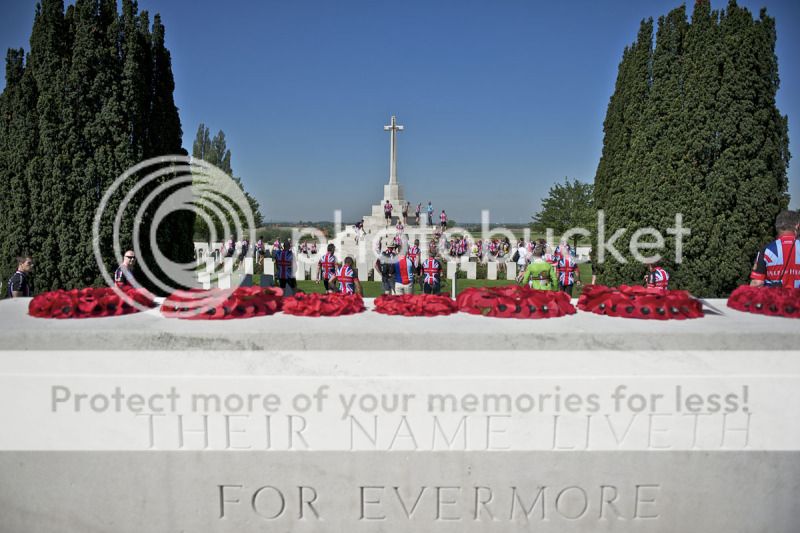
373, 288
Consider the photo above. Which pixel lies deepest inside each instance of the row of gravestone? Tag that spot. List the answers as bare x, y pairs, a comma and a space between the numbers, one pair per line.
230, 276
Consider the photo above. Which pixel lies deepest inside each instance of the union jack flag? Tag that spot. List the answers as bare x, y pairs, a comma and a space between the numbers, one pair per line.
327, 265
432, 271
346, 277
284, 259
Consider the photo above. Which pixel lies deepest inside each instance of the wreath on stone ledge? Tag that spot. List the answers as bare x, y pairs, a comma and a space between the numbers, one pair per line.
415, 305
332, 304
639, 302
772, 301
221, 304
89, 302
513, 301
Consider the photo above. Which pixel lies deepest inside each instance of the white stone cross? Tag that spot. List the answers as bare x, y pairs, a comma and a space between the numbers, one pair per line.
394, 128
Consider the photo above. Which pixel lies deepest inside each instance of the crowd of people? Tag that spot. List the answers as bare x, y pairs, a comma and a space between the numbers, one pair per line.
388, 209
403, 267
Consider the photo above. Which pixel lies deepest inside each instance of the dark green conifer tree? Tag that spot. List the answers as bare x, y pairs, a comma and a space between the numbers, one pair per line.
709, 143
93, 98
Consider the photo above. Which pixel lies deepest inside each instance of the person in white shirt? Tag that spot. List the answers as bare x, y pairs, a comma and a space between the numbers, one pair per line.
522, 256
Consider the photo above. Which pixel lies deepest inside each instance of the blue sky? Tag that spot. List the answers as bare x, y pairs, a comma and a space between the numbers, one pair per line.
500, 99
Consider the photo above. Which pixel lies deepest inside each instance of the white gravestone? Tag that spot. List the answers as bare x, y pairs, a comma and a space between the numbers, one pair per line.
210, 265
511, 271
228, 265
247, 265
491, 270
224, 281
314, 271
299, 271
471, 269
363, 270
452, 268
269, 266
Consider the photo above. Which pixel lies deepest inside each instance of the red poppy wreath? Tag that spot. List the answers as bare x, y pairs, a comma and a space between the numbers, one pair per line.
773, 301
89, 302
415, 305
220, 304
639, 302
513, 301
315, 304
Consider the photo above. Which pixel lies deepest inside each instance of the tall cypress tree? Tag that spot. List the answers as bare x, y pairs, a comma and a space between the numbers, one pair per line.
655, 170
215, 151
50, 206
710, 144
93, 99
702, 68
18, 140
625, 114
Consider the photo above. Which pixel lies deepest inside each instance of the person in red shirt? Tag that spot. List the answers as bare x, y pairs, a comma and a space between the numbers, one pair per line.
778, 263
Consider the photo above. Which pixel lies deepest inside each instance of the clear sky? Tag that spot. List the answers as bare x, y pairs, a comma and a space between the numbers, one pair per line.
499, 98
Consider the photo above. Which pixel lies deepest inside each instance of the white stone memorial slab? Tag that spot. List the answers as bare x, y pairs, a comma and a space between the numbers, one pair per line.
363, 270
247, 266
204, 277
224, 281
491, 270
228, 262
269, 266
210, 265
452, 269
508, 440
299, 271
511, 271
471, 269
